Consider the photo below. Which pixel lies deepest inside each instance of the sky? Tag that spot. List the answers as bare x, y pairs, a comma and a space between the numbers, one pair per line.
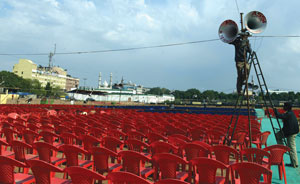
35, 26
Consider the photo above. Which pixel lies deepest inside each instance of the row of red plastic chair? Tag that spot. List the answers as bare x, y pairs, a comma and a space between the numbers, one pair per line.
122, 124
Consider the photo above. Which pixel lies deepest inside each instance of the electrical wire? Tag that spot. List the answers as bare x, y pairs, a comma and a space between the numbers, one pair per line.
237, 7
133, 48
292, 36
116, 50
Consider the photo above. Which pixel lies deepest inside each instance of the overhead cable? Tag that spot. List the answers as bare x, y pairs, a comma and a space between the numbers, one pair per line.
116, 50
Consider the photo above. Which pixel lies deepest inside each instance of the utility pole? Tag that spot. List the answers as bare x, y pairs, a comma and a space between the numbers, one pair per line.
50, 58
84, 79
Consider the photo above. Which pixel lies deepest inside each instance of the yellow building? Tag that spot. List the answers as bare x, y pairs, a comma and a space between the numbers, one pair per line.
56, 76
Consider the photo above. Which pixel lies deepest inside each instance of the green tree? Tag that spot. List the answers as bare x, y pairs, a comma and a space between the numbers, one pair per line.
291, 97
48, 89
159, 91
16, 83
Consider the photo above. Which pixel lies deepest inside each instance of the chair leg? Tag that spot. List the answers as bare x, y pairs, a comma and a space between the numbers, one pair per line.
284, 173
280, 172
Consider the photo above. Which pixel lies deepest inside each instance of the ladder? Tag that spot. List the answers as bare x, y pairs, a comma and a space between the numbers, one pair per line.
268, 104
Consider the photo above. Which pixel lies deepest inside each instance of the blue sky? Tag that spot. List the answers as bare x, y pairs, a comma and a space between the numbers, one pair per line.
34, 26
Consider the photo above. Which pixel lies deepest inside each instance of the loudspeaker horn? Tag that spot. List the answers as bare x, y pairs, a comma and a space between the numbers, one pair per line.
255, 22
228, 31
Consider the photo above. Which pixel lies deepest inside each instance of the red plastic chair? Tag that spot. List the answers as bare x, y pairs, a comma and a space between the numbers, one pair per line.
207, 170
276, 158
249, 173
167, 164
42, 172
101, 160
193, 150
122, 177
223, 154
239, 139
171, 181
3, 152
80, 175
7, 175
256, 155
71, 152
45, 152
20, 148
89, 141
262, 139
132, 163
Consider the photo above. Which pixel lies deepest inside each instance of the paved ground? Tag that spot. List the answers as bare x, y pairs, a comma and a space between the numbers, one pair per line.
292, 174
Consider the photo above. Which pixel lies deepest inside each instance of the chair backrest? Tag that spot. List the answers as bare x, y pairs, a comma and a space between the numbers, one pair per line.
207, 169
136, 145
215, 137
255, 155
29, 136
250, 173
277, 152
117, 134
71, 153
240, 137
89, 141
180, 136
162, 147
223, 153
264, 137
41, 170
80, 175
167, 164
101, 156
193, 150
176, 141
132, 161
152, 137
204, 144
136, 135
7, 169
9, 134
122, 177
171, 181
20, 149
44, 150
112, 143
48, 136
198, 134
68, 138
